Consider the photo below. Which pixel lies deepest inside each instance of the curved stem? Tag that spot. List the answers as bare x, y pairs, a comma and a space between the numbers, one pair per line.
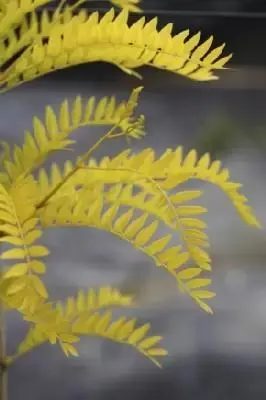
77, 167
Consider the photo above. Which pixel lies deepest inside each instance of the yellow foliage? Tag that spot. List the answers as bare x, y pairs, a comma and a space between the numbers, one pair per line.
66, 323
130, 195
153, 179
82, 38
20, 286
65, 212
53, 134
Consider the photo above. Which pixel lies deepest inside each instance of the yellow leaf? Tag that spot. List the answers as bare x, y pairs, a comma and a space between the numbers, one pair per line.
39, 132
109, 215
92, 299
68, 349
67, 337
184, 211
39, 286
123, 220
64, 117
52, 337
192, 42
184, 196
211, 57
4, 201
37, 266
32, 237
95, 212
8, 217
202, 49
80, 325
138, 334
150, 342
157, 352
103, 323
146, 234
196, 234
70, 306
99, 112
191, 158
51, 122
179, 261
16, 241
77, 111
104, 296
30, 224
200, 255
222, 61
189, 273
89, 109
193, 223
13, 254
197, 283
38, 251
204, 306
115, 327
17, 286
110, 108
169, 254
135, 226
92, 321
224, 175
203, 294
10, 230
126, 330
158, 245
17, 270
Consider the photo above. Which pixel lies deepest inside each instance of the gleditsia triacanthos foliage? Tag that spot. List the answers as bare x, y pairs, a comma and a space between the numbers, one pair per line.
60, 39
131, 195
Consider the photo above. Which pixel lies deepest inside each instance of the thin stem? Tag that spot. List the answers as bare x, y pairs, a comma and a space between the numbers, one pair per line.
77, 167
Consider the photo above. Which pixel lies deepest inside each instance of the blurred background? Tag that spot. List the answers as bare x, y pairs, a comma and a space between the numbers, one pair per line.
211, 357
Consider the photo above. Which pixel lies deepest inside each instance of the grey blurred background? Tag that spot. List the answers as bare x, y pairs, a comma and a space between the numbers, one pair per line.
211, 357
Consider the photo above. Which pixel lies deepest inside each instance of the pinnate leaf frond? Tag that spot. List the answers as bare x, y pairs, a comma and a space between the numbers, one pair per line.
53, 134
157, 178
170, 170
84, 185
129, 195
111, 39
122, 330
170, 209
21, 26
82, 316
20, 285
86, 201
136, 230
100, 324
